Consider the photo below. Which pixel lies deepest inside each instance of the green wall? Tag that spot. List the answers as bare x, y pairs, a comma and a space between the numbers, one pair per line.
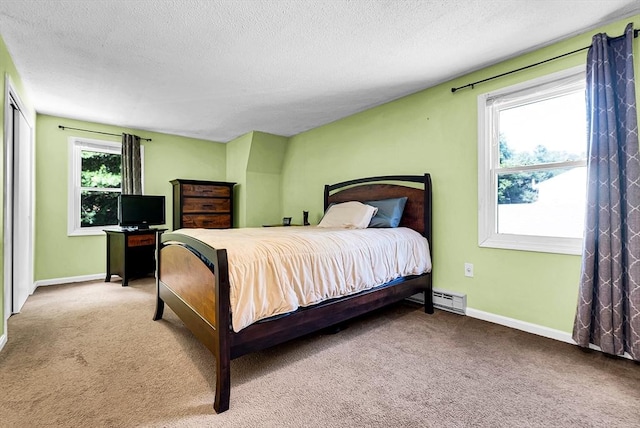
254, 162
7, 68
264, 179
166, 157
238, 151
435, 131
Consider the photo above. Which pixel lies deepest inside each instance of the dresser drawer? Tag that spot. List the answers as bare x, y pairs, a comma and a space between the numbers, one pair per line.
205, 190
207, 221
210, 205
141, 240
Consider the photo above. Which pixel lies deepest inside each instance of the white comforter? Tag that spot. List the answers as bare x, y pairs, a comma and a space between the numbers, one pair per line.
276, 270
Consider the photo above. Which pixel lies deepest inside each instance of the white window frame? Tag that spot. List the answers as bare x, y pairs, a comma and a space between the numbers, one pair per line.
489, 157
76, 146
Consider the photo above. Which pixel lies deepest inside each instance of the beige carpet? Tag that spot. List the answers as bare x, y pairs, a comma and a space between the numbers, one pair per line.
89, 355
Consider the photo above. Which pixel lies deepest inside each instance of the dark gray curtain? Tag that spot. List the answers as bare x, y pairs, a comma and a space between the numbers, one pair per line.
608, 312
131, 167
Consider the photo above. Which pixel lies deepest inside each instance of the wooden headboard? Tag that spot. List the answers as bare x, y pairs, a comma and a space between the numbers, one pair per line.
417, 211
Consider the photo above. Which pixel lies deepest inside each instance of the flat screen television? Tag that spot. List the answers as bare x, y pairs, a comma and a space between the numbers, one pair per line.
140, 211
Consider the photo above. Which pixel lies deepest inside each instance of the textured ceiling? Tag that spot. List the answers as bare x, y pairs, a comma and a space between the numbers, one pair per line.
220, 68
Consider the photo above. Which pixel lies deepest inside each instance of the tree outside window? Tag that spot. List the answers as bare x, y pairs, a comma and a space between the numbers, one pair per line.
100, 182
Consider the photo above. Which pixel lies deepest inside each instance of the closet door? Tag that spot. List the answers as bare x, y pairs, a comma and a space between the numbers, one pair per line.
22, 217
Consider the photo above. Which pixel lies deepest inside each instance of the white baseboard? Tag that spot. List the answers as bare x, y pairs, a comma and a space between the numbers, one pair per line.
522, 325
530, 328
3, 339
70, 279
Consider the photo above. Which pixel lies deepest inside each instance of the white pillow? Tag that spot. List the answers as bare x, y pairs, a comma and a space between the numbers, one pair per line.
348, 215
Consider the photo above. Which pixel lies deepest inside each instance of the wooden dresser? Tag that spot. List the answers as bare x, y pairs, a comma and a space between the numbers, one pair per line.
206, 204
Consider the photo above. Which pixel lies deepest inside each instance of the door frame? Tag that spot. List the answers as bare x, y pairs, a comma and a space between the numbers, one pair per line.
12, 94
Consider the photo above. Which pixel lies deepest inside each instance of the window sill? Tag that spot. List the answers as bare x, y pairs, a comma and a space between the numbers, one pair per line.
541, 244
91, 231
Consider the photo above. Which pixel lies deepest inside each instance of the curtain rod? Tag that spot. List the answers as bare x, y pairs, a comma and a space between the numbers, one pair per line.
471, 85
97, 132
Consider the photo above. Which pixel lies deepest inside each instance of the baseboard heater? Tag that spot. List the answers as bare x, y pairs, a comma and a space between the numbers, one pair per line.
445, 300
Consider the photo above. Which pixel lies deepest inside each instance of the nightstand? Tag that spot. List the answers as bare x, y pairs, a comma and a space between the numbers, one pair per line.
131, 253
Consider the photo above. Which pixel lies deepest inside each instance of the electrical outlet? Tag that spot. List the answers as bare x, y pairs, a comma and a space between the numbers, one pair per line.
468, 270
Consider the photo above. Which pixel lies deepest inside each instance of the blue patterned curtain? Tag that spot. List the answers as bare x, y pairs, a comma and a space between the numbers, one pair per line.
131, 165
608, 313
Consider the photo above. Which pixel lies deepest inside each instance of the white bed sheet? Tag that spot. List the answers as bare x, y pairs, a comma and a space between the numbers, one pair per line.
276, 270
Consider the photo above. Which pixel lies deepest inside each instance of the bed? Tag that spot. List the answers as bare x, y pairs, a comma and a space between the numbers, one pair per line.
193, 279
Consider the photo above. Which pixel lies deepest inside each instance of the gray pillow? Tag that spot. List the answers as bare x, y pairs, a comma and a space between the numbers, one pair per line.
389, 212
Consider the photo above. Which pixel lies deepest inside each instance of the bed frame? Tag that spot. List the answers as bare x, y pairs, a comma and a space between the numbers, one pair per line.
193, 280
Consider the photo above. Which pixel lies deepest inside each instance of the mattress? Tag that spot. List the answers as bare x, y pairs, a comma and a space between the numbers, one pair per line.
276, 270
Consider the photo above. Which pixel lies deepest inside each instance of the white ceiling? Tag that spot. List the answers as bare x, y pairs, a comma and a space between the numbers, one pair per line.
220, 68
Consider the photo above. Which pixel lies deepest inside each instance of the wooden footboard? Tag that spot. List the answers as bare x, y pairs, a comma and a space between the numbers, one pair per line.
192, 278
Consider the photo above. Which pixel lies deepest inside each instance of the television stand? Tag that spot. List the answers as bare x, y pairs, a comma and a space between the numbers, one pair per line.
131, 253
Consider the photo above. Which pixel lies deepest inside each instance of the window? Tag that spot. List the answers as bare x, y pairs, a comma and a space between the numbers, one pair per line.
95, 178
532, 144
